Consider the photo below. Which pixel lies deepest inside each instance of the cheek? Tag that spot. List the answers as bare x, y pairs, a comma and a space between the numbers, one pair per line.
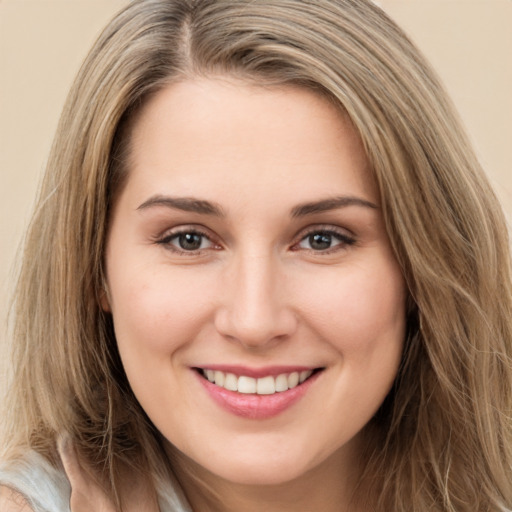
365, 325
360, 309
157, 311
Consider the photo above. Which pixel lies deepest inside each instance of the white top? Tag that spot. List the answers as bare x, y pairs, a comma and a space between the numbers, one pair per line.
47, 489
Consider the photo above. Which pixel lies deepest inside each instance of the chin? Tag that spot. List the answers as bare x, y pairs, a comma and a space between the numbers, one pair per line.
252, 474
257, 468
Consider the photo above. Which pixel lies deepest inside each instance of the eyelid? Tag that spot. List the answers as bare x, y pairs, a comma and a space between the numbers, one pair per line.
345, 236
170, 234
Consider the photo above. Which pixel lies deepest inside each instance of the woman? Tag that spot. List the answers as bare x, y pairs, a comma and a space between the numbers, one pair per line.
265, 272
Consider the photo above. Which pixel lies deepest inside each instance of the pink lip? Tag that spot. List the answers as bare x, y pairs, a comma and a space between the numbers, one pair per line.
252, 406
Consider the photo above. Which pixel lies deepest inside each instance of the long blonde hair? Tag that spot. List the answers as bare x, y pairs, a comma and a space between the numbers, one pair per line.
442, 441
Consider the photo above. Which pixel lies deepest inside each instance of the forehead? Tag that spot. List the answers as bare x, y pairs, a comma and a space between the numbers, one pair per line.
198, 136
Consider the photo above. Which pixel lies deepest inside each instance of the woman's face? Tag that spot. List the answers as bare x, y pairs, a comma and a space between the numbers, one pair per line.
248, 247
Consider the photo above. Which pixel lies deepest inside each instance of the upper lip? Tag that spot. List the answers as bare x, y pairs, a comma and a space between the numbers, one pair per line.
256, 373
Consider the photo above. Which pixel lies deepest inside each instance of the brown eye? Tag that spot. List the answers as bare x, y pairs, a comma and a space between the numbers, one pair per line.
323, 241
320, 241
190, 241
187, 241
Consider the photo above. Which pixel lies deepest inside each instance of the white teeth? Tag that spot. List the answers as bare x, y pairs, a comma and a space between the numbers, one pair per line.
293, 380
262, 386
266, 386
231, 382
219, 378
282, 382
246, 385
304, 375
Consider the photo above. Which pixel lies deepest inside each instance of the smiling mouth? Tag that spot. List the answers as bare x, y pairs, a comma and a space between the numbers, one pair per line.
267, 385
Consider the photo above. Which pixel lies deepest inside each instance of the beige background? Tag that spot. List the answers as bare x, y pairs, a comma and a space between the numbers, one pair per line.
42, 43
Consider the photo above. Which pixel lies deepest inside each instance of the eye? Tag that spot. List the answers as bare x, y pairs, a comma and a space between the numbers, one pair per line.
187, 241
191, 241
325, 240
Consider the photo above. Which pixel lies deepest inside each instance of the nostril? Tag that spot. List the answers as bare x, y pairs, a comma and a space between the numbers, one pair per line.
255, 328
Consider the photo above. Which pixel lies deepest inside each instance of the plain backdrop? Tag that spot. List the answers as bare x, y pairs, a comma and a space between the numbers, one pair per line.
42, 43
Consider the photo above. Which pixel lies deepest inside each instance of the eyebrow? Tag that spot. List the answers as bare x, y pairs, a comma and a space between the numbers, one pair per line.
201, 206
333, 203
186, 204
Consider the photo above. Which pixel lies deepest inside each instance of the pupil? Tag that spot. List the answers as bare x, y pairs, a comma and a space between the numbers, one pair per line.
320, 241
190, 241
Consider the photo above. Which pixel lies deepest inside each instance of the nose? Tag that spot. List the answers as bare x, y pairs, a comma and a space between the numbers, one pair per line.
255, 310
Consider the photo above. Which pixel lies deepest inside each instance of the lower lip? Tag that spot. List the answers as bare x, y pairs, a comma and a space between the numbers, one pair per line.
257, 407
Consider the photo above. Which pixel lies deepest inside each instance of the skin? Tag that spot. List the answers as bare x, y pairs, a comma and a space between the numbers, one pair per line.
258, 292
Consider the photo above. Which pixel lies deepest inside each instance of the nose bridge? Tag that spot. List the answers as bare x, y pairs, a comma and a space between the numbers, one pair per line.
255, 309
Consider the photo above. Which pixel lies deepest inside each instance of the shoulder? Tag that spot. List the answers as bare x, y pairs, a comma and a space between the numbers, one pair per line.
12, 501
32, 484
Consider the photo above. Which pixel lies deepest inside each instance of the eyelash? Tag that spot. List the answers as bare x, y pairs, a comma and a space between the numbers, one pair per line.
167, 239
343, 239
